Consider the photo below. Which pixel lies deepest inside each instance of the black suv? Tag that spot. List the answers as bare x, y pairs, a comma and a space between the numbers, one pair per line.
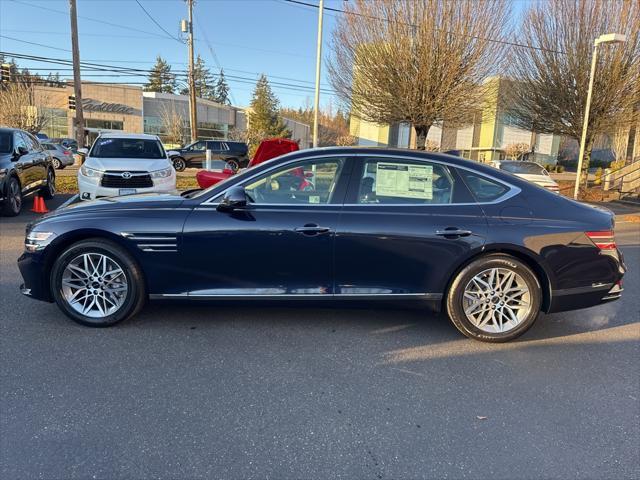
236, 154
25, 167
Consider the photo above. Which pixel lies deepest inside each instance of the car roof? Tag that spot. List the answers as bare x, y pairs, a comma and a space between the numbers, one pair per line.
138, 136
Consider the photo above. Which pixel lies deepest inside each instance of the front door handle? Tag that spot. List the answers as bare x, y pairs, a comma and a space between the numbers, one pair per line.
311, 229
453, 232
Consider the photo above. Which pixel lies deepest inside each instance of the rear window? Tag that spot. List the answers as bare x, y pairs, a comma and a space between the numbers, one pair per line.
127, 148
529, 168
5, 142
49, 146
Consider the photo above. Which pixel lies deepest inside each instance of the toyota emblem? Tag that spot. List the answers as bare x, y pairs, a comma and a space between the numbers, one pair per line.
126, 175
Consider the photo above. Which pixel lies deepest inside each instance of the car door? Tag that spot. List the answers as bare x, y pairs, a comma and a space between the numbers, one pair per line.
40, 158
280, 245
405, 226
195, 154
26, 165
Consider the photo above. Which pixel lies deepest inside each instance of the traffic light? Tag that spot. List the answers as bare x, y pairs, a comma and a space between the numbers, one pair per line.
72, 102
5, 74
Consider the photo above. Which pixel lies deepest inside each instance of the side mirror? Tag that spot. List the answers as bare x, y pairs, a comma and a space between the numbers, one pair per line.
234, 199
20, 152
83, 151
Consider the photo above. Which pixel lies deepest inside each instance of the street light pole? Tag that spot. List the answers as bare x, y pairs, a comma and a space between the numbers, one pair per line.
316, 100
606, 38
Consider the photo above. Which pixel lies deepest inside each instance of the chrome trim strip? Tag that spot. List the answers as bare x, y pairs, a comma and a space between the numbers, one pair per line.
513, 190
579, 290
426, 296
157, 245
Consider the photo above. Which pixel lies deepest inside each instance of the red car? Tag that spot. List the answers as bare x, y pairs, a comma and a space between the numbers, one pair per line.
268, 149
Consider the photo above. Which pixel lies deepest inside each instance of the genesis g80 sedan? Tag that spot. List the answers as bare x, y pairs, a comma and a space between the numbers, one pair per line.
488, 248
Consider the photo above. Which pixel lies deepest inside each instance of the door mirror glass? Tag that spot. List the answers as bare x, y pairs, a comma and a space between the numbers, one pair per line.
20, 151
235, 198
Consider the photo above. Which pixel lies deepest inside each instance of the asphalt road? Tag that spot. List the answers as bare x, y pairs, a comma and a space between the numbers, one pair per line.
206, 391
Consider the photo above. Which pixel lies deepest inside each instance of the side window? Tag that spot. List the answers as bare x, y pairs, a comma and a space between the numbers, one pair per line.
307, 183
403, 181
37, 147
197, 147
213, 145
483, 188
18, 141
29, 143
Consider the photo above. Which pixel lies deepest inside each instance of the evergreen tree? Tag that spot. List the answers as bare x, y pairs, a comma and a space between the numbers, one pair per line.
263, 116
161, 79
203, 81
222, 90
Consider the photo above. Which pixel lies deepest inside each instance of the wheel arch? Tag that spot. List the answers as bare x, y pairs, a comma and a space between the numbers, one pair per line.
528, 257
75, 236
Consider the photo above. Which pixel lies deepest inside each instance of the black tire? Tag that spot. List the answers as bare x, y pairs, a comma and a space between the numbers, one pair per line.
13, 198
49, 190
233, 164
455, 302
57, 164
179, 164
136, 294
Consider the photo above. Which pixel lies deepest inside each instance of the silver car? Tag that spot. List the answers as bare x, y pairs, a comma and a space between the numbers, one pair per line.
60, 155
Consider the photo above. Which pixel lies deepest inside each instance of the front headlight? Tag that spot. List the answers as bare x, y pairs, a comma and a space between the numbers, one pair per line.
37, 240
90, 172
164, 173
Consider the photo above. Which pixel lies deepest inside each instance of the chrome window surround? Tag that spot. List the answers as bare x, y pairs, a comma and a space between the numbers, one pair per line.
512, 192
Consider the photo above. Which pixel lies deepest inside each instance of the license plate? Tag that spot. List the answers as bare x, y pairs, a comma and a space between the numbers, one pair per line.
127, 191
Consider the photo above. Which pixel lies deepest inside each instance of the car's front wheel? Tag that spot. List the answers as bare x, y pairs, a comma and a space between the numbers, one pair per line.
98, 284
13, 198
495, 298
179, 164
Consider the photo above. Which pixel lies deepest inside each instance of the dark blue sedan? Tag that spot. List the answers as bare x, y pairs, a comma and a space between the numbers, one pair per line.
490, 249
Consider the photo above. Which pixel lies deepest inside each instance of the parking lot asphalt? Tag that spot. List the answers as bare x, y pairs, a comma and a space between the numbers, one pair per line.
258, 391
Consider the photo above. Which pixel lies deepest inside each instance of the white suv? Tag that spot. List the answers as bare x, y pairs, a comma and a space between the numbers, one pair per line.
125, 164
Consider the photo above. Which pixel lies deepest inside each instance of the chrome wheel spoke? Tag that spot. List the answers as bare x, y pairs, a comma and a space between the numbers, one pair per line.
496, 300
94, 285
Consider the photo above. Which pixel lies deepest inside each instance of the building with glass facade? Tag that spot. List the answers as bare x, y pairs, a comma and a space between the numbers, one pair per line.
128, 109
486, 137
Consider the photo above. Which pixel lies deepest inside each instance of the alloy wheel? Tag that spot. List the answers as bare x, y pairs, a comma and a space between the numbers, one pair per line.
497, 300
94, 285
56, 163
15, 196
51, 183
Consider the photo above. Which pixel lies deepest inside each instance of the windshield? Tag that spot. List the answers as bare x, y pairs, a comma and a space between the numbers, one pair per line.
127, 148
5, 142
529, 168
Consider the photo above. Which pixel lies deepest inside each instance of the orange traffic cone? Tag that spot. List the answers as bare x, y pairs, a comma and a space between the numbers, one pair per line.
36, 200
39, 205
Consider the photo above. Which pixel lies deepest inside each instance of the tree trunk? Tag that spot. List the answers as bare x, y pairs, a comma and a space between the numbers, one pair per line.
421, 136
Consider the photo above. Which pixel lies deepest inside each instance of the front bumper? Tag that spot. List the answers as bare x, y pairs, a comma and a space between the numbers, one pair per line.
36, 283
90, 190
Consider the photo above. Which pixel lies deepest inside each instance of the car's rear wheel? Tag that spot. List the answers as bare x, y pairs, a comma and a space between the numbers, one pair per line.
13, 200
98, 284
49, 190
495, 298
233, 164
179, 164
57, 164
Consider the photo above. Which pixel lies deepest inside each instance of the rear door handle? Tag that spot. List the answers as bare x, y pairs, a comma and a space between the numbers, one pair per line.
311, 229
453, 232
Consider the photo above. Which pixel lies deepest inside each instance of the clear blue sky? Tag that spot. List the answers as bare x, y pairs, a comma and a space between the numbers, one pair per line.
248, 37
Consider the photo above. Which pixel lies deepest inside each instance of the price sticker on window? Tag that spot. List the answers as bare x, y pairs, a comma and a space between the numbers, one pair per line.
404, 180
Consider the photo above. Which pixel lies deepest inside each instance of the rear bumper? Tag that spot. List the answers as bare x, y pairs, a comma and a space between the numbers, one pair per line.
584, 297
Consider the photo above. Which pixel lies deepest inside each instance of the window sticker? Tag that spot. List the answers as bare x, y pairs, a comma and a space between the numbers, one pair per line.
404, 180
314, 199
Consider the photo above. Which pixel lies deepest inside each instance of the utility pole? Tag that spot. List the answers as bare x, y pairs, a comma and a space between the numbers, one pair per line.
193, 114
316, 101
77, 82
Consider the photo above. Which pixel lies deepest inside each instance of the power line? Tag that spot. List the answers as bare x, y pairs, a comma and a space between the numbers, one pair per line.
34, 43
157, 24
486, 39
98, 20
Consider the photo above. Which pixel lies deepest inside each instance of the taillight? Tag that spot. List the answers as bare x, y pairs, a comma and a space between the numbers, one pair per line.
604, 240
67, 152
